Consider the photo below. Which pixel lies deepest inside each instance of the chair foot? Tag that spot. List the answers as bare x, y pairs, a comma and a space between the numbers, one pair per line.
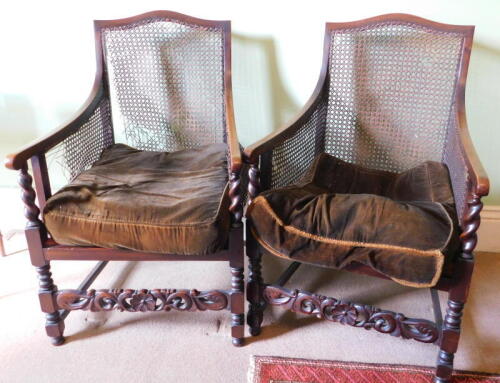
444, 368
254, 318
255, 331
54, 325
237, 306
238, 342
238, 329
449, 341
57, 340
254, 292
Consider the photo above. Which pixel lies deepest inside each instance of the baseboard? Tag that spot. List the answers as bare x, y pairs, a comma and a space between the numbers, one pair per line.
489, 230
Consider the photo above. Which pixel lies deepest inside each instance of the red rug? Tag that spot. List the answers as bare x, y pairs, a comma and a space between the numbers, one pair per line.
268, 369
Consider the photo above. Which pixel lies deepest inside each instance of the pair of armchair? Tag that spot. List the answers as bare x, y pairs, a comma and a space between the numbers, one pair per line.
377, 175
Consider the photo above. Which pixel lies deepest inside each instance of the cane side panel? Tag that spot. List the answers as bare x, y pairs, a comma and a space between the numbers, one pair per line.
292, 158
84, 147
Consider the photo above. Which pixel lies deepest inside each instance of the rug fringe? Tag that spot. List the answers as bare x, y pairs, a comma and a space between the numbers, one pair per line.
251, 370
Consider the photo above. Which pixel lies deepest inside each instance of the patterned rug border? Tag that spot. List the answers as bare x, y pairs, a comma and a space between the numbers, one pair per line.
257, 361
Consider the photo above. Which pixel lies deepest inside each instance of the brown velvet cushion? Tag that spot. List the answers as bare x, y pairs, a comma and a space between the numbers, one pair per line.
402, 225
172, 203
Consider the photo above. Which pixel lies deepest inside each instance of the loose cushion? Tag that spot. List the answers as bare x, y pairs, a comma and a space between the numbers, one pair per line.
402, 225
173, 203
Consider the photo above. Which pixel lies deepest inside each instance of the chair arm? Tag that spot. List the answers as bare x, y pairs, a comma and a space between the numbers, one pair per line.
16, 161
235, 161
480, 184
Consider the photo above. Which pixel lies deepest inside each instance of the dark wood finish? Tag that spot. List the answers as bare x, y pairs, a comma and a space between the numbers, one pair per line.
43, 249
436, 308
91, 277
42, 182
444, 333
34, 230
54, 325
142, 300
287, 274
86, 283
253, 181
236, 207
237, 306
254, 287
236, 264
352, 314
459, 291
232, 138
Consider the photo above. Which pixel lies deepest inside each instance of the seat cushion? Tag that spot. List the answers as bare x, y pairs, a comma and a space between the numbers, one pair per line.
402, 225
173, 203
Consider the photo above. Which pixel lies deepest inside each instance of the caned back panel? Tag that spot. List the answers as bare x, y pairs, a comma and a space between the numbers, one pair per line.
391, 91
166, 82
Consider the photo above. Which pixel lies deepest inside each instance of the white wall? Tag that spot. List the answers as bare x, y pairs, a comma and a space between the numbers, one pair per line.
47, 63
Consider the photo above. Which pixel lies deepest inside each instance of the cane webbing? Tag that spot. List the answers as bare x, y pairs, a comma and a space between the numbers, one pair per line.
166, 83
79, 151
391, 91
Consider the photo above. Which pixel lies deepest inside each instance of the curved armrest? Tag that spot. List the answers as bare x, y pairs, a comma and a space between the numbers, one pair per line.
16, 160
232, 137
478, 177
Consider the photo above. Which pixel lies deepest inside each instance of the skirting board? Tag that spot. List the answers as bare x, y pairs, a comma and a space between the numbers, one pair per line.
489, 230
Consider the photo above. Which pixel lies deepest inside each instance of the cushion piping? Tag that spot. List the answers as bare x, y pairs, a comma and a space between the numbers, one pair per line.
293, 229
148, 224
433, 253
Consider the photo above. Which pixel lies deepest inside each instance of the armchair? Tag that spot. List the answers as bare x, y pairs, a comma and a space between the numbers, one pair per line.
376, 175
153, 164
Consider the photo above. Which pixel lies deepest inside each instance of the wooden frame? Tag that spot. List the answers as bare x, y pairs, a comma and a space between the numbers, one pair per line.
445, 332
57, 304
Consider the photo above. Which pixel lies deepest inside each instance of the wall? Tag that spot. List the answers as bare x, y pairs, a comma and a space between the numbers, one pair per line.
47, 64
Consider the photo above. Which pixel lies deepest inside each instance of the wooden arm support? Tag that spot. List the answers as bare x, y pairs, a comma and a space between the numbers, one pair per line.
480, 184
232, 136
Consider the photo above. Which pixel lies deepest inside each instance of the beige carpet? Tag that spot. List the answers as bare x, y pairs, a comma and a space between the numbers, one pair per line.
196, 347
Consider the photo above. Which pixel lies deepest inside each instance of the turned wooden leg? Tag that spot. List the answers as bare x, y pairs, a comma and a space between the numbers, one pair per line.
459, 292
255, 282
236, 262
452, 321
54, 325
35, 233
237, 306
449, 341
254, 288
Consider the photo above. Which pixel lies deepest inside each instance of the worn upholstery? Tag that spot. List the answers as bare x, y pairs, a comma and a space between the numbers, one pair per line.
402, 225
174, 203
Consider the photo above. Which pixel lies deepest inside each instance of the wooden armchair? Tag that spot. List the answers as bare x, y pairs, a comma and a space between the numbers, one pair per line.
359, 180
163, 86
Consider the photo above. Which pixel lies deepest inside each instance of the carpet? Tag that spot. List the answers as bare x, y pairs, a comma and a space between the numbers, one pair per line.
268, 369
